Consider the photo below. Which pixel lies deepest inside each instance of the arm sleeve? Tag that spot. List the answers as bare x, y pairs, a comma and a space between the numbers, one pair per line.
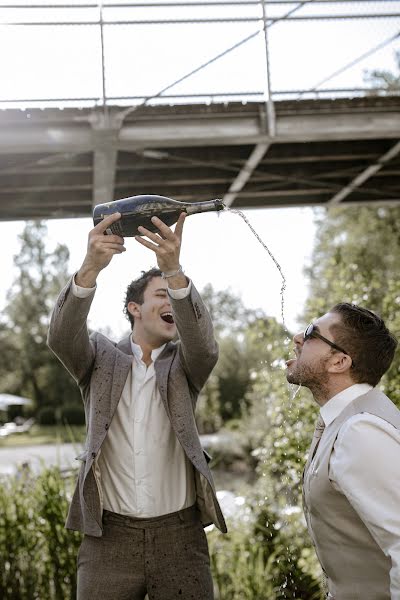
68, 336
198, 348
180, 294
81, 292
365, 468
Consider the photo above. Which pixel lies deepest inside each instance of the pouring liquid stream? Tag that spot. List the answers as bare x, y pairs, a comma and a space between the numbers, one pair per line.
283, 287
293, 390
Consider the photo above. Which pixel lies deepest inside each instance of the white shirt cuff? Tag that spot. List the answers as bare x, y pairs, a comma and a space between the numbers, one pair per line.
180, 294
81, 292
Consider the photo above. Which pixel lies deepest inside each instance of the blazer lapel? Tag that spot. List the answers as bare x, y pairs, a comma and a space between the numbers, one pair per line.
125, 345
123, 363
162, 367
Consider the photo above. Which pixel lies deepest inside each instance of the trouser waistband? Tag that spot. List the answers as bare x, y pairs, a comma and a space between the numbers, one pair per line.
186, 515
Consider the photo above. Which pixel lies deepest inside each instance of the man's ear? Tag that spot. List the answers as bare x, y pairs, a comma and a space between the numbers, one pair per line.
134, 310
340, 363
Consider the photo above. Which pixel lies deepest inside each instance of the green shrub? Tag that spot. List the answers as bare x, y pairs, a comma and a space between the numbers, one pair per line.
266, 559
73, 414
38, 556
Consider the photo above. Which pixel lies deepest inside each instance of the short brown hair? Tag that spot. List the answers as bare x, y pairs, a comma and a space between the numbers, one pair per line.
366, 338
136, 289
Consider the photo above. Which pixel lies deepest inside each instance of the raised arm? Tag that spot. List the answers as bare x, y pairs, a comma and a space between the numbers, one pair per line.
68, 336
198, 348
100, 250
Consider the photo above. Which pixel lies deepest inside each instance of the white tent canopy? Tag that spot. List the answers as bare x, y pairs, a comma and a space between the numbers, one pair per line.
7, 400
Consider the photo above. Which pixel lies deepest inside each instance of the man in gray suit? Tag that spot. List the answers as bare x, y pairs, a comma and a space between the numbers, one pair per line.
351, 482
145, 491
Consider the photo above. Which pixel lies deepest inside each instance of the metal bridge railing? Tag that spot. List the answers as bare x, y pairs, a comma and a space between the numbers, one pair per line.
137, 53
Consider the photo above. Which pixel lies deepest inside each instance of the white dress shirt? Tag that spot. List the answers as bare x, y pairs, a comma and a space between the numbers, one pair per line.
143, 470
365, 467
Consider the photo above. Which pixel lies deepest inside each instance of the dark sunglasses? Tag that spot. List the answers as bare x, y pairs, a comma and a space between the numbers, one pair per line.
310, 332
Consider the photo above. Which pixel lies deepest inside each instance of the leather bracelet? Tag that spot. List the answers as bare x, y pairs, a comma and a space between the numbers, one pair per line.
172, 273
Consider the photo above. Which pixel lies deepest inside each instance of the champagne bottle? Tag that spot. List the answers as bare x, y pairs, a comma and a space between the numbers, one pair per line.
138, 210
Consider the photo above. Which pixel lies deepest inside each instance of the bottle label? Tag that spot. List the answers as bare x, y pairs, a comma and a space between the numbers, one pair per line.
116, 229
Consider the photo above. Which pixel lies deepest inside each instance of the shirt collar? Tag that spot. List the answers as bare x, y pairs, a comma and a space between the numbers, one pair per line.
338, 403
137, 351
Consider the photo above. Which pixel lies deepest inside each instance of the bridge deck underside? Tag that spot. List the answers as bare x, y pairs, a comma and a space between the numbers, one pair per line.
57, 164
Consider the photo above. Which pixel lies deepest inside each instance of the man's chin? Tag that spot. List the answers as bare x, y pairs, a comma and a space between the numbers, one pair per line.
290, 371
169, 334
291, 378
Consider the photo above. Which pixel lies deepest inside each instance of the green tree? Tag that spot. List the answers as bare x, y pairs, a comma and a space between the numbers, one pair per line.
248, 340
27, 366
230, 319
228, 313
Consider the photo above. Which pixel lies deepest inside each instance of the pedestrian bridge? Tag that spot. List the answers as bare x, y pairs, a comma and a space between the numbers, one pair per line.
146, 106
60, 162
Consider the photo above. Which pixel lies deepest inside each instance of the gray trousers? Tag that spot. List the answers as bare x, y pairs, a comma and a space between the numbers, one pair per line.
165, 557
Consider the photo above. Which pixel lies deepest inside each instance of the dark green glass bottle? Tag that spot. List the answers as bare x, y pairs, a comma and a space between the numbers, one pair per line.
138, 210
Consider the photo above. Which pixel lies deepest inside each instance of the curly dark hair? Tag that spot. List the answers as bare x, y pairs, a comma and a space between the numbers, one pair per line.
366, 338
136, 289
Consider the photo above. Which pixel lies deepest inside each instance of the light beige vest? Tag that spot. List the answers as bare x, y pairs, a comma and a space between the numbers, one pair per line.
355, 566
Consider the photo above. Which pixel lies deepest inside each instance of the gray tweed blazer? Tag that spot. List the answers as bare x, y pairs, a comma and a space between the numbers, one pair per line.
100, 367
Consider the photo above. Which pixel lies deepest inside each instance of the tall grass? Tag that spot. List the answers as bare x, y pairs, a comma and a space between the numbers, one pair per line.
264, 563
38, 556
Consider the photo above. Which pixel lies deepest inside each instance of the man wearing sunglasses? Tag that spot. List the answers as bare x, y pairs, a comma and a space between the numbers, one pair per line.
351, 481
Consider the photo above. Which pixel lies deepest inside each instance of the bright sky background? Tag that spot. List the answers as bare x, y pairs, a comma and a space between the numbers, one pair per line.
44, 62
220, 250
65, 61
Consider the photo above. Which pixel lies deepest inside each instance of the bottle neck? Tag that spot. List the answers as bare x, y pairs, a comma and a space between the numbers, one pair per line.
207, 206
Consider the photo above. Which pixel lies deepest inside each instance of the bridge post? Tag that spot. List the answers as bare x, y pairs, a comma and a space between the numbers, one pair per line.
106, 128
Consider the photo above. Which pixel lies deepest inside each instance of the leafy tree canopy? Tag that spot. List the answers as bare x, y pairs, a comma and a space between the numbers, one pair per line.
27, 367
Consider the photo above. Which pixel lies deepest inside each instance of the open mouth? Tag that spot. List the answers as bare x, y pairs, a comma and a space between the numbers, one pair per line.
167, 317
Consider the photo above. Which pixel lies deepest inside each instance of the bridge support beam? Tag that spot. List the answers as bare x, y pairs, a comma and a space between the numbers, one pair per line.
105, 139
365, 175
245, 173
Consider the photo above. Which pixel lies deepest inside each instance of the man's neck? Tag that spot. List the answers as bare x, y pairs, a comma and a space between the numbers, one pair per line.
325, 393
146, 347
